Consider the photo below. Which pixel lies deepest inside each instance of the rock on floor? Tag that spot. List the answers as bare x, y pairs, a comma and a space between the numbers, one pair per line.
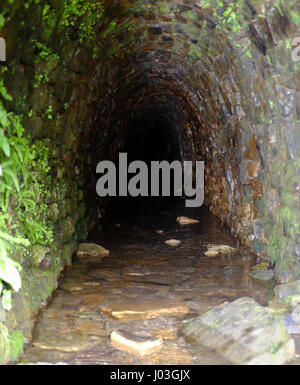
92, 250
262, 275
186, 221
243, 332
135, 344
222, 249
261, 266
211, 253
172, 242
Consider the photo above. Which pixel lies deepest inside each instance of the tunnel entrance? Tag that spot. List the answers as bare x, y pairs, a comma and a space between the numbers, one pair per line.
160, 81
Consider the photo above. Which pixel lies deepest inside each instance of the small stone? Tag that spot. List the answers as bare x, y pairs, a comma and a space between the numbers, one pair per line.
92, 249
262, 275
160, 231
135, 344
211, 253
223, 249
261, 266
144, 310
186, 221
173, 242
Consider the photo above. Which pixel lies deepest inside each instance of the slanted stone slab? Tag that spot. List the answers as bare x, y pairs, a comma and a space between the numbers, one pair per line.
92, 250
243, 332
144, 310
135, 344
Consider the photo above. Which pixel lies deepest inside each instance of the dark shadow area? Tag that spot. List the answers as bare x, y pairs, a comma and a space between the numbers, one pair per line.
153, 136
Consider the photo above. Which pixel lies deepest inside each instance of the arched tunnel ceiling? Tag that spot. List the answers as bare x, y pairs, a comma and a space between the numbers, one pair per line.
196, 51
225, 67
221, 71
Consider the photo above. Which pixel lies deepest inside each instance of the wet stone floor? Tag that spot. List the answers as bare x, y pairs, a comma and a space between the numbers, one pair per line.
169, 286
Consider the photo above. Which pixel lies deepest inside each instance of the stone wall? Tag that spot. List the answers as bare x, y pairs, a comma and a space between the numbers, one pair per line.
223, 75
231, 76
50, 75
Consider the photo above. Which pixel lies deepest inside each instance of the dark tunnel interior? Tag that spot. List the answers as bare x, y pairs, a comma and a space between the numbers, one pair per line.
152, 137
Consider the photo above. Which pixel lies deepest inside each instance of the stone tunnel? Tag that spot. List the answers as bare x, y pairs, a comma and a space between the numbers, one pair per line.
162, 80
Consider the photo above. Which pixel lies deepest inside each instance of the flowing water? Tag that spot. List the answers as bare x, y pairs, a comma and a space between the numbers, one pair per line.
141, 268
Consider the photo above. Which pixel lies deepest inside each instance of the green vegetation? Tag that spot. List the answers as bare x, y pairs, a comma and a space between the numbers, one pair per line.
24, 166
83, 14
23, 197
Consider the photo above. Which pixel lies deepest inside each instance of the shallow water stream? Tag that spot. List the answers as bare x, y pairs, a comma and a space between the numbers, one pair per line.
141, 268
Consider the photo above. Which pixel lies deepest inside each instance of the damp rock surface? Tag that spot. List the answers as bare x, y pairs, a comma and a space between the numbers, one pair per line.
92, 250
244, 332
262, 275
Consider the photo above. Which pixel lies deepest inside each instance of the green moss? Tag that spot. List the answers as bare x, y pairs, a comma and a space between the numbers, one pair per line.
164, 7
195, 52
16, 343
112, 25
83, 15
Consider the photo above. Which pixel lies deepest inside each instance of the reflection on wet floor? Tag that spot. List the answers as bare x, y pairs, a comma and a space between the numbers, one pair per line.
76, 327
